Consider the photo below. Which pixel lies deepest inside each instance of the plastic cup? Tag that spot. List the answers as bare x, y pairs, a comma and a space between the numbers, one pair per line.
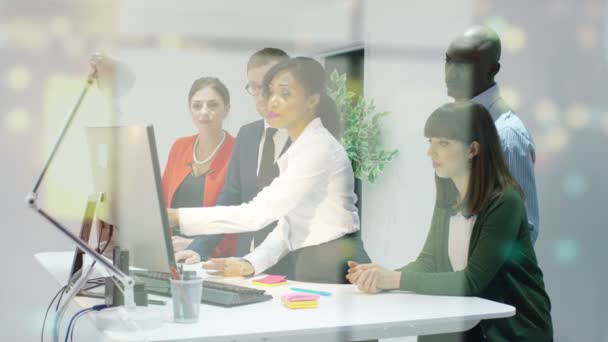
186, 299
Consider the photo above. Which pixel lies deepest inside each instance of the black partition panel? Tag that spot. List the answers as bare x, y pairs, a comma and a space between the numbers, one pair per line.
350, 63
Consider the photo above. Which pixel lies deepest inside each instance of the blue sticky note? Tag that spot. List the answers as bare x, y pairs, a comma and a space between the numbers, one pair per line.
320, 293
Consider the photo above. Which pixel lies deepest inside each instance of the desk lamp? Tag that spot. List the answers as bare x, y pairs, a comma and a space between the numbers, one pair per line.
103, 69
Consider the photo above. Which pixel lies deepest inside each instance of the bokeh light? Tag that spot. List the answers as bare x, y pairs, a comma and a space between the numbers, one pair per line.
60, 26
511, 96
18, 120
575, 185
169, 42
27, 34
498, 24
587, 36
565, 251
18, 78
513, 39
553, 140
578, 116
546, 112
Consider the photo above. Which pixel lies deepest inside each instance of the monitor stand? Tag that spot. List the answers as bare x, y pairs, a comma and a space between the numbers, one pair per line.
120, 258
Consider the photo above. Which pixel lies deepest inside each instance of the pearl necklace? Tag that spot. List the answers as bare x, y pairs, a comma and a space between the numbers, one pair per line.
217, 148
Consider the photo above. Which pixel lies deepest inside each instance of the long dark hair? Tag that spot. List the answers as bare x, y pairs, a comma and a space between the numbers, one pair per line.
490, 176
313, 78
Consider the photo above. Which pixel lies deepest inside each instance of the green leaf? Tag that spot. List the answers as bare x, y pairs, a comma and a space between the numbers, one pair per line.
362, 131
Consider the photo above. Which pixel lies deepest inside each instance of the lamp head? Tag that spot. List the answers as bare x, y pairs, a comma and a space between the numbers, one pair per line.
114, 78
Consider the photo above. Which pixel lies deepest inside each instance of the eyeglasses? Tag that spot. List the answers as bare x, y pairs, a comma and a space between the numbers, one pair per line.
253, 89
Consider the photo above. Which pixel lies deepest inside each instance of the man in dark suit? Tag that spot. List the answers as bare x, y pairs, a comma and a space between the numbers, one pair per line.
252, 165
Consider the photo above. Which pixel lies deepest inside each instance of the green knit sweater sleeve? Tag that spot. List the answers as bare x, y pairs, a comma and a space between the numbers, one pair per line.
499, 226
426, 259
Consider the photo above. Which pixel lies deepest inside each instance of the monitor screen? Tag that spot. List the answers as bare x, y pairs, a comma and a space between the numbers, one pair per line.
126, 171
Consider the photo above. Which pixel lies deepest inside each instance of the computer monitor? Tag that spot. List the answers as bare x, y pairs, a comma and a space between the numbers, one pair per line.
126, 171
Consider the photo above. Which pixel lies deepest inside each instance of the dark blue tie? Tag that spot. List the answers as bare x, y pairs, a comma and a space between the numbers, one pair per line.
268, 168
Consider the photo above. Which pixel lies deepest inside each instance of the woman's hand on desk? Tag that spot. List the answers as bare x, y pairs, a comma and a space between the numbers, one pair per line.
187, 257
372, 278
229, 267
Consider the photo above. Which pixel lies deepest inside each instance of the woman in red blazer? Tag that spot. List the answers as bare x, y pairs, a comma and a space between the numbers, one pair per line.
197, 165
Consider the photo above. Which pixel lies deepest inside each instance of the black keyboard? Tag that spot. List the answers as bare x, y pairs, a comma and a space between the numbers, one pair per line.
214, 292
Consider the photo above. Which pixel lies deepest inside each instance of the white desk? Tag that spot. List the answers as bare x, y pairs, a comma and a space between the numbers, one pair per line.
346, 315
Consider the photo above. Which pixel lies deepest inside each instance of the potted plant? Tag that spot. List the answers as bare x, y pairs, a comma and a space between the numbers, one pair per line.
362, 132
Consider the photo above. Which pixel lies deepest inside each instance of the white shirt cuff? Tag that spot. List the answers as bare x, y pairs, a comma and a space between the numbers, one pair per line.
257, 261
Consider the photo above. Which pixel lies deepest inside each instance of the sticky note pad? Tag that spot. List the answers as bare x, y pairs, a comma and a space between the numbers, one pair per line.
300, 300
299, 297
309, 304
271, 279
254, 282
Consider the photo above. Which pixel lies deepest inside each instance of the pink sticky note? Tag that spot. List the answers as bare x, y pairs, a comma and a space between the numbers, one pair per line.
298, 297
271, 279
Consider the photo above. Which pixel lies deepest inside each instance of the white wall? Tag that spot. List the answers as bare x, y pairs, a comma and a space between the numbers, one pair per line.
160, 96
397, 209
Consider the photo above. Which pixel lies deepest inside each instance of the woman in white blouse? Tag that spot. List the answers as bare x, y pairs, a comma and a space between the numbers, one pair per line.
313, 198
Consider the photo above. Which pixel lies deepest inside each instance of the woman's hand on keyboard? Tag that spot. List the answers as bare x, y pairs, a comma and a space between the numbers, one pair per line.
229, 267
187, 257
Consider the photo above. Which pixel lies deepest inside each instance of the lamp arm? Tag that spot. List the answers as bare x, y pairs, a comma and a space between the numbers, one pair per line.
32, 197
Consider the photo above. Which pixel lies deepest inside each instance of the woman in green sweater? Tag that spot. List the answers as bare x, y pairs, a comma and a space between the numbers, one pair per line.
479, 240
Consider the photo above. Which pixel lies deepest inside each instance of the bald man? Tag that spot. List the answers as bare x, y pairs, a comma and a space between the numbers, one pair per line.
471, 63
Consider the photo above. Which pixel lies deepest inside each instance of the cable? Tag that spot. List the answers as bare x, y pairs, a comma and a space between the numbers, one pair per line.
80, 313
48, 308
65, 289
74, 324
93, 284
84, 312
87, 289
97, 279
